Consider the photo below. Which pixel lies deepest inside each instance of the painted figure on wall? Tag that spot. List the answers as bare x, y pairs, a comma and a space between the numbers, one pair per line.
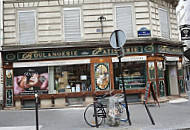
102, 76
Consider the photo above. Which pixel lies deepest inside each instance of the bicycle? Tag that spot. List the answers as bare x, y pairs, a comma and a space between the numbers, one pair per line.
101, 106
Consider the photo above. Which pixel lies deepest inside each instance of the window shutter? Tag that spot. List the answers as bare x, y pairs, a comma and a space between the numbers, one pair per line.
72, 25
164, 23
27, 33
124, 20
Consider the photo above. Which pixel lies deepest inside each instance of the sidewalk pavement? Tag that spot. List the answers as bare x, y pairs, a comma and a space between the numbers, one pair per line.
171, 116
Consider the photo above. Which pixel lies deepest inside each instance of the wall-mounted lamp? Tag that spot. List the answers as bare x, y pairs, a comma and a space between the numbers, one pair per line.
7, 63
102, 18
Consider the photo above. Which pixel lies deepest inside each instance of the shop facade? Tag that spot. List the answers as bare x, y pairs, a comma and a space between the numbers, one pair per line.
61, 48
68, 76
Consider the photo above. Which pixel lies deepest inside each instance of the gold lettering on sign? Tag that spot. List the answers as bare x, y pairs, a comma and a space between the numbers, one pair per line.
27, 56
135, 49
58, 53
96, 51
75, 52
35, 55
108, 51
49, 54
104, 52
68, 53
54, 54
44, 54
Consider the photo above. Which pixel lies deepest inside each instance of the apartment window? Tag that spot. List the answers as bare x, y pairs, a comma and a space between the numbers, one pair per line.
164, 23
72, 24
124, 20
27, 27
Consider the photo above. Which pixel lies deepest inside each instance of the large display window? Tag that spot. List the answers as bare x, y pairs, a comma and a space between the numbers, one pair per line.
72, 78
134, 74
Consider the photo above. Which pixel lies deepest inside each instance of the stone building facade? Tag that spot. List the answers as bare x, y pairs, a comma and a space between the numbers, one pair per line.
61, 48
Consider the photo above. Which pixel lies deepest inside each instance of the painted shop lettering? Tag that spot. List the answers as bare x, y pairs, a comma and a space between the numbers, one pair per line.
30, 55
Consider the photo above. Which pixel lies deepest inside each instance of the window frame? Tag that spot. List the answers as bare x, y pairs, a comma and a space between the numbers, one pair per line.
169, 28
35, 24
63, 24
132, 16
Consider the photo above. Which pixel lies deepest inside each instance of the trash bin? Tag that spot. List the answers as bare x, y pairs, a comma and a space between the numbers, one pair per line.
113, 115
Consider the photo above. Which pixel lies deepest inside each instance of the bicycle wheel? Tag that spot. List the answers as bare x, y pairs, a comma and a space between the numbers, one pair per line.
122, 110
89, 116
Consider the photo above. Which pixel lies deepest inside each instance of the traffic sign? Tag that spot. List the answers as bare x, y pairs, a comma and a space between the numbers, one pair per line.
117, 39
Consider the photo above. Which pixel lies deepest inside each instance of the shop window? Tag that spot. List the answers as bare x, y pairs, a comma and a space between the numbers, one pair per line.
134, 74
164, 23
27, 27
124, 20
72, 24
72, 78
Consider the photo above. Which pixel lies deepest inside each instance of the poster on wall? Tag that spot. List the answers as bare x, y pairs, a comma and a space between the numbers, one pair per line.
26, 80
180, 70
162, 88
102, 81
151, 70
9, 78
9, 97
160, 70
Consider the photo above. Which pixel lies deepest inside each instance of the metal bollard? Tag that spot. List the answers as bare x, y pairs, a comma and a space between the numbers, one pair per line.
36, 105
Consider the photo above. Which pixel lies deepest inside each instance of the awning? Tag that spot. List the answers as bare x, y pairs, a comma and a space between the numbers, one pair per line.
187, 54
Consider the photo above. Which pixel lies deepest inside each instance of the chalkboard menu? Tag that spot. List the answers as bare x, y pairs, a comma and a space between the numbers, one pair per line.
149, 88
147, 91
9, 97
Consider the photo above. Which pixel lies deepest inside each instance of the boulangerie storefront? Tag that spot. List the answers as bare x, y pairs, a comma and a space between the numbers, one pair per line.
75, 76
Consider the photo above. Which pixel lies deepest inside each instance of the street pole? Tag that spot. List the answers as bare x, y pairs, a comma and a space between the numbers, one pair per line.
36, 105
95, 114
121, 72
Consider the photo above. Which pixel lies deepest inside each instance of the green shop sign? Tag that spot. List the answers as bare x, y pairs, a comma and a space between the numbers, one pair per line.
66, 53
170, 50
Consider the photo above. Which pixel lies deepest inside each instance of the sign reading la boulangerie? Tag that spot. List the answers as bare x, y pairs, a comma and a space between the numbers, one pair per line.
67, 53
35, 55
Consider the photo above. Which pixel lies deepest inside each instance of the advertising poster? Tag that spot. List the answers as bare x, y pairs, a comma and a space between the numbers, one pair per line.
9, 97
151, 70
160, 70
30, 79
9, 78
102, 76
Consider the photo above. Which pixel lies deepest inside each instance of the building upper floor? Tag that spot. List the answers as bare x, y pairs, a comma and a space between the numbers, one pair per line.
49, 22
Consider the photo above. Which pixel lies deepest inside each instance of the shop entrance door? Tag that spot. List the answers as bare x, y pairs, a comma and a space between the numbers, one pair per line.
171, 80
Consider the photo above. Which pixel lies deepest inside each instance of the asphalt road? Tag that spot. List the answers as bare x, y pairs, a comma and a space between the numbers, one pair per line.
169, 116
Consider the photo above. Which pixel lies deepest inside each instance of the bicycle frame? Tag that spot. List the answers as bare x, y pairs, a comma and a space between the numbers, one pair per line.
101, 111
